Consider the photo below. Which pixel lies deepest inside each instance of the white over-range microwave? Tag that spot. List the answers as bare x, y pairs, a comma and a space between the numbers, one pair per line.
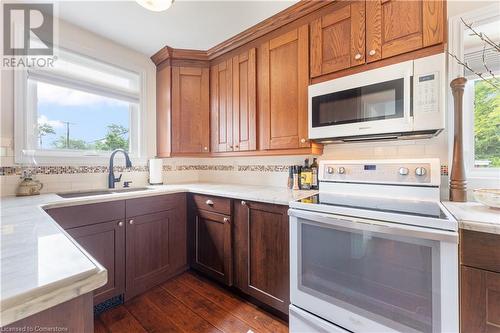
405, 100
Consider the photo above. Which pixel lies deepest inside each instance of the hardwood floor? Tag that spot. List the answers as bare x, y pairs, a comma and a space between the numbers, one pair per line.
188, 303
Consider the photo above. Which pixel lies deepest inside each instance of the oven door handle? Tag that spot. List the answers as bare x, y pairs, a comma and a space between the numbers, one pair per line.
392, 228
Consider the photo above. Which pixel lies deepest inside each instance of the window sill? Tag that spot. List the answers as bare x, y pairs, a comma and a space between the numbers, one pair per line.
72, 159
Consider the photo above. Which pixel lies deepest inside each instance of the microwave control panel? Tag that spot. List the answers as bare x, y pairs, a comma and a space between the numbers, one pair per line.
427, 92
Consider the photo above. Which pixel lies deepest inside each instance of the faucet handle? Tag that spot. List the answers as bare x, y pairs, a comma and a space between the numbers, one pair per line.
119, 179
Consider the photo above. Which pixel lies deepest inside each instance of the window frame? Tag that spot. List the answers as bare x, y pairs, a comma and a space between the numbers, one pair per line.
456, 47
25, 114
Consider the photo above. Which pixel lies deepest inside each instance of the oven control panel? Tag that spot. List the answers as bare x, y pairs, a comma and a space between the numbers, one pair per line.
383, 172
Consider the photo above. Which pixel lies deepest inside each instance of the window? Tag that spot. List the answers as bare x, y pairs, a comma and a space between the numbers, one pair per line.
81, 108
474, 36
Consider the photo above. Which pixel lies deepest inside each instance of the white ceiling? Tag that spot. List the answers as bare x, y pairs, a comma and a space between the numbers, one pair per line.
187, 24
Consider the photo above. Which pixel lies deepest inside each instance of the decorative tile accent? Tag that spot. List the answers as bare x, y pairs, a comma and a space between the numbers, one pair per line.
444, 170
59, 170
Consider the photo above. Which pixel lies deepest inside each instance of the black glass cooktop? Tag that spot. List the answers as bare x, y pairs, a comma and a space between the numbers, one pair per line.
389, 205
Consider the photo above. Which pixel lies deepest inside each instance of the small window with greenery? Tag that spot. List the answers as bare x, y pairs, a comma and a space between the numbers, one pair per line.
475, 54
80, 108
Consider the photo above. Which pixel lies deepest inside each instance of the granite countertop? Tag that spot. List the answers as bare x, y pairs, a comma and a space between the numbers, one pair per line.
475, 216
42, 266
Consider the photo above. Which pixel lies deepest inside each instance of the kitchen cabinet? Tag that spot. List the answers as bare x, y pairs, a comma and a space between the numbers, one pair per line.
163, 110
479, 282
396, 26
233, 103
283, 76
190, 110
141, 242
261, 255
106, 243
211, 240
155, 241
338, 38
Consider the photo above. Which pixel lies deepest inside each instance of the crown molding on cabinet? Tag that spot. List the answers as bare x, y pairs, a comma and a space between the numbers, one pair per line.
276, 21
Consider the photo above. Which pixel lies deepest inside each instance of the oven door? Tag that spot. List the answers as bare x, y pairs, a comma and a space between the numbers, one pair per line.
373, 276
369, 103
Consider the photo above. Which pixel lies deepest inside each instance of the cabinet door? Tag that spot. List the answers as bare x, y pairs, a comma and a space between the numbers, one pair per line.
244, 101
283, 81
338, 38
163, 110
262, 252
397, 26
151, 246
221, 111
480, 300
211, 251
106, 243
190, 110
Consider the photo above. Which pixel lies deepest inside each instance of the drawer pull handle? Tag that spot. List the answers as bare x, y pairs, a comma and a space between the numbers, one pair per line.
243, 203
131, 222
226, 220
209, 202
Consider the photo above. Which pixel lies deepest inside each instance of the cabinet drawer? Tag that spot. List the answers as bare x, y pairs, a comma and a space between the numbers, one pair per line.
212, 204
157, 203
480, 249
81, 215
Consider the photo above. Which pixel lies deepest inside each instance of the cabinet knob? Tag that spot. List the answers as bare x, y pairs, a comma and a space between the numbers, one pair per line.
372, 52
131, 222
230, 146
205, 148
357, 56
243, 203
226, 220
236, 146
120, 224
209, 202
303, 140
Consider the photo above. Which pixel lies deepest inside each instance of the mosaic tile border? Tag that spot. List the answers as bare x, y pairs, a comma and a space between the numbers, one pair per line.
59, 170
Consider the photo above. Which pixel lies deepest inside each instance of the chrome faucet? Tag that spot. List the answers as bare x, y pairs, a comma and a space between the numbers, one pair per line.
111, 177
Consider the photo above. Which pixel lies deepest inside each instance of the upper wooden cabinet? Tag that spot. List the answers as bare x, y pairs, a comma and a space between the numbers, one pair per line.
338, 38
396, 26
283, 76
233, 92
190, 110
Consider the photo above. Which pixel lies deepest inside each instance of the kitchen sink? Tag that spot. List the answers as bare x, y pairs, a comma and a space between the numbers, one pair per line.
101, 192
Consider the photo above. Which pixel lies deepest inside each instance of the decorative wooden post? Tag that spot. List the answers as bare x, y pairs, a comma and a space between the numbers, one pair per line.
458, 180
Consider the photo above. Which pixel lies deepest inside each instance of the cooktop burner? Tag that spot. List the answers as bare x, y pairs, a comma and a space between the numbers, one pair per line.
429, 209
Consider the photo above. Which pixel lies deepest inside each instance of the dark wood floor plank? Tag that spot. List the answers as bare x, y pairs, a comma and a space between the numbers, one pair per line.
119, 320
99, 327
205, 308
150, 317
249, 313
179, 313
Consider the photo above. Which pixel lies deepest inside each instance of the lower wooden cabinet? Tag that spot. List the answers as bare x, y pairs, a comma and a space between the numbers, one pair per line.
143, 244
106, 243
151, 249
479, 282
211, 245
480, 300
261, 252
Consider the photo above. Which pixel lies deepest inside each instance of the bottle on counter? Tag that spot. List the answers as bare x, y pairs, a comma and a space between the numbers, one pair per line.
306, 176
290, 176
314, 170
296, 177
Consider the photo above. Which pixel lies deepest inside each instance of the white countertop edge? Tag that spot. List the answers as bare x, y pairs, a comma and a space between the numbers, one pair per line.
38, 299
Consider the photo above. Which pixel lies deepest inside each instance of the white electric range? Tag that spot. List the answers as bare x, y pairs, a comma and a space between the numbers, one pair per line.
374, 251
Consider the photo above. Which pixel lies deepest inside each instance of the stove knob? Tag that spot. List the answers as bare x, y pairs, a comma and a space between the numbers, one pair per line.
404, 171
330, 170
420, 171
341, 170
